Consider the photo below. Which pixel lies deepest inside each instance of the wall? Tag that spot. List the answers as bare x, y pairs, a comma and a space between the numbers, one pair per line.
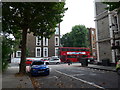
103, 32
51, 50
105, 50
103, 28
31, 44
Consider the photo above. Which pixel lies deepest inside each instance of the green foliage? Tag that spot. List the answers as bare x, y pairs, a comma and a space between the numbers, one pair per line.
112, 5
78, 37
6, 51
8, 45
66, 40
40, 18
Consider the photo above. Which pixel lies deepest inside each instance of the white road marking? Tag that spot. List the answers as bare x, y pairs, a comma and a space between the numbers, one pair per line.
90, 83
78, 75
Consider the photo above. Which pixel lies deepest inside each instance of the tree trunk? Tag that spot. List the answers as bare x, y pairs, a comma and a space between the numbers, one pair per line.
41, 46
22, 68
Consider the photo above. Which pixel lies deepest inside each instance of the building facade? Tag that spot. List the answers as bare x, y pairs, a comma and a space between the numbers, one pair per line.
34, 49
92, 41
107, 33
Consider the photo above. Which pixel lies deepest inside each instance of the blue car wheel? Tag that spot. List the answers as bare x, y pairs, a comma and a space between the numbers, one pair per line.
48, 73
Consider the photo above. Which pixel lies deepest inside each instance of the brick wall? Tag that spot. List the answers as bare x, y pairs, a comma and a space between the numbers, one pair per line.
31, 44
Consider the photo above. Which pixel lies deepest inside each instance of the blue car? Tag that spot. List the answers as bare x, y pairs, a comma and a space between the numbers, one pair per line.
39, 68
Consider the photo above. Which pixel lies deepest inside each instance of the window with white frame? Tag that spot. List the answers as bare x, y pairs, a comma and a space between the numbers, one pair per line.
56, 51
93, 32
57, 31
56, 41
38, 40
45, 52
38, 52
45, 41
18, 54
115, 22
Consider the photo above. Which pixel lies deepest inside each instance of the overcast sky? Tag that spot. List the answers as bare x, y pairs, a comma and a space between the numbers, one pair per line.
80, 12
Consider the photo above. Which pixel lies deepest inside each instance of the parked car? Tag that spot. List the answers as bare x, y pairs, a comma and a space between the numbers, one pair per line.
46, 60
118, 67
54, 60
29, 61
39, 68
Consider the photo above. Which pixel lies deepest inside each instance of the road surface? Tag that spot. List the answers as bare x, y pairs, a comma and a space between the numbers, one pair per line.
75, 76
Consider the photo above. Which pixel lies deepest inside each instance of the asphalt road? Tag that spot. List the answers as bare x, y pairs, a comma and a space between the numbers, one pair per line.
75, 76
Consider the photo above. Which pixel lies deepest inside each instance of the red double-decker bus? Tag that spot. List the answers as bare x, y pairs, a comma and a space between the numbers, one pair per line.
73, 53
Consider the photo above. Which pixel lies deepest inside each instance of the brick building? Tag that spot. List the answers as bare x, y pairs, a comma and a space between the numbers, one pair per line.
107, 22
92, 41
50, 46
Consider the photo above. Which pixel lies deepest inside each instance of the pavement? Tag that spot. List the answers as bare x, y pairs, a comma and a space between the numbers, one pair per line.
10, 80
99, 67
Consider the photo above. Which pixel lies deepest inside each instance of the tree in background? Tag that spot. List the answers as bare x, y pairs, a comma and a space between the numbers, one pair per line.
7, 45
112, 5
66, 40
78, 37
26, 17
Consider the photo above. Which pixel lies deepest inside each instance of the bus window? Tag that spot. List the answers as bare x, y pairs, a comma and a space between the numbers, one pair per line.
84, 56
77, 49
71, 56
72, 49
87, 49
64, 49
80, 49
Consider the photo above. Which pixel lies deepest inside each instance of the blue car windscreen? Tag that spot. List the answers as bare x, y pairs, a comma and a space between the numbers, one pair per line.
37, 63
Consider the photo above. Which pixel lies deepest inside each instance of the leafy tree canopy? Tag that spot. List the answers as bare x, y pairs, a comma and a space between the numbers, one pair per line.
78, 37
40, 18
112, 5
